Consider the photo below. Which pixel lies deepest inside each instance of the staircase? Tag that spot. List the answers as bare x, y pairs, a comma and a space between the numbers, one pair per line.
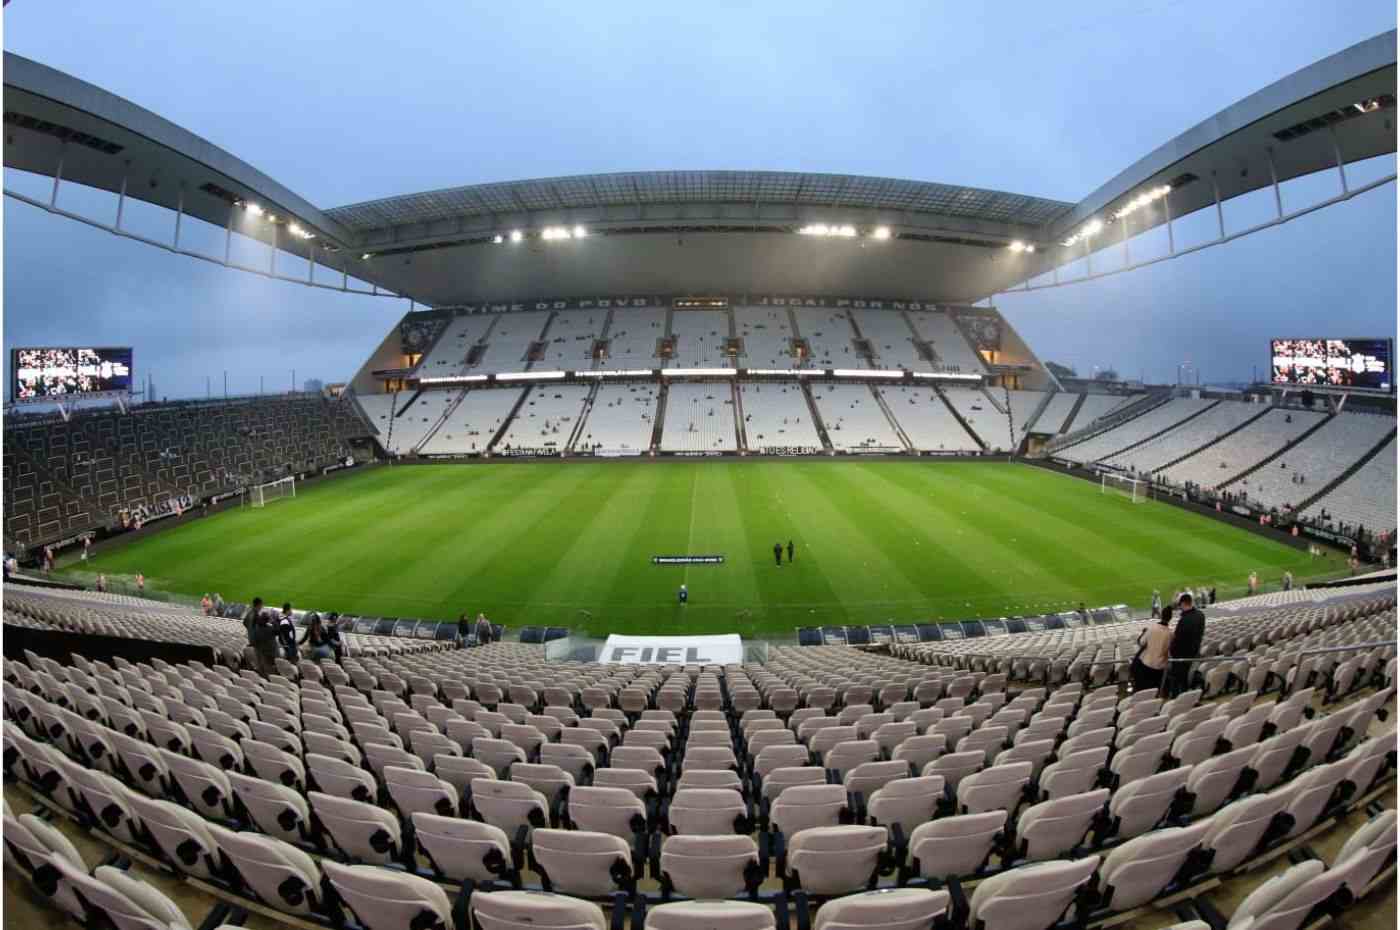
816, 414
1218, 439
660, 408
428, 349
1351, 470
542, 337
959, 417
1130, 447
1073, 412
583, 415
739, 431
889, 415
505, 424
1112, 421
855, 328
1039, 409
409, 403
1267, 459
441, 420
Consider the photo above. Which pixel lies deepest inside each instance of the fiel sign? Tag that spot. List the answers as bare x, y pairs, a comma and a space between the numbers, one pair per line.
673, 650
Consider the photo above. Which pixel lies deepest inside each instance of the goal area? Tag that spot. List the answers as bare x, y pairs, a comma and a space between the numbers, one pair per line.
260, 495
1132, 489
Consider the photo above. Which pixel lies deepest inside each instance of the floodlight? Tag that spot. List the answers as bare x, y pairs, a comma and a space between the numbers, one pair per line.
498, 239
253, 209
1017, 245
580, 232
516, 235
880, 232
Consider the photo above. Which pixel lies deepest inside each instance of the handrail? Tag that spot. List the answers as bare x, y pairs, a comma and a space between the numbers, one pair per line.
1246, 657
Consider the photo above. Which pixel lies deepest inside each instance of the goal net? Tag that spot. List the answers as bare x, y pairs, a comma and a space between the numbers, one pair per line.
260, 495
1133, 489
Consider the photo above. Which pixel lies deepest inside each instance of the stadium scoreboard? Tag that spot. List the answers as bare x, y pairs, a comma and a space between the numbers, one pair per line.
1358, 364
62, 373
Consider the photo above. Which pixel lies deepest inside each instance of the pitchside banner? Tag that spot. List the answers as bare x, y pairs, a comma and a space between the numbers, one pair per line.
673, 650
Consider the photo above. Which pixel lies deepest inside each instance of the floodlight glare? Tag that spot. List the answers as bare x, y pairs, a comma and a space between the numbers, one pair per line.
367, 256
498, 239
1017, 245
880, 232
253, 209
580, 232
516, 235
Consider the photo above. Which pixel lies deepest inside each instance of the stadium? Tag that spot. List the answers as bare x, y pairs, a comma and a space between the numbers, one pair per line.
702, 549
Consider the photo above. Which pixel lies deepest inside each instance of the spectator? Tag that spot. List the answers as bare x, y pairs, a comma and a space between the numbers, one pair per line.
206, 606
218, 603
1185, 644
264, 639
1156, 603
1253, 582
140, 583
1288, 581
483, 630
287, 633
317, 638
464, 629
333, 636
101, 583
1154, 646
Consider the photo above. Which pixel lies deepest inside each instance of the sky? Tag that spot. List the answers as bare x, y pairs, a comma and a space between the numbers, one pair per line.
343, 103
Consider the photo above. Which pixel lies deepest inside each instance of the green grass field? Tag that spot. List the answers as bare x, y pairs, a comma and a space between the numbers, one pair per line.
542, 543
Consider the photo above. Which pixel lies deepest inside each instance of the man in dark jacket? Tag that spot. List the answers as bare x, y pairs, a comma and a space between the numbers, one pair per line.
1186, 643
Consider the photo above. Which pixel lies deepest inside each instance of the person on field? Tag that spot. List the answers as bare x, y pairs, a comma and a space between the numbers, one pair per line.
683, 596
1185, 644
778, 553
790, 550
1154, 647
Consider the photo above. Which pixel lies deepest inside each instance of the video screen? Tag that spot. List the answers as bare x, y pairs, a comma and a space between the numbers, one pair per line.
68, 372
1362, 364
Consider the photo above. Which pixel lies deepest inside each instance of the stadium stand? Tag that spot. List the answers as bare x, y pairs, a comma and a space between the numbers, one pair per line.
1098, 406
853, 418
449, 354
417, 418
777, 418
1213, 465
469, 420
830, 338
1133, 431
699, 417
767, 336
947, 341
509, 340
65, 477
619, 420
1320, 458
700, 336
401, 789
979, 413
570, 340
926, 420
1366, 498
1024, 404
891, 338
546, 420
1185, 437
1056, 413
633, 336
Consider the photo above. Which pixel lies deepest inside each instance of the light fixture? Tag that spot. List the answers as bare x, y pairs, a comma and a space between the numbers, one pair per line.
552, 233
845, 231
1087, 231
814, 229
498, 239
1017, 245
300, 233
367, 256
516, 235
580, 232
253, 209
880, 232
1142, 200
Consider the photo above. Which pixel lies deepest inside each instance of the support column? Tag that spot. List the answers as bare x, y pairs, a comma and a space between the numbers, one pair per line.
179, 215
1219, 211
121, 202
1336, 153
1273, 176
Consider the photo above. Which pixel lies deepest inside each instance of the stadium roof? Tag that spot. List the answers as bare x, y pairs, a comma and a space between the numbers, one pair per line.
731, 232
639, 188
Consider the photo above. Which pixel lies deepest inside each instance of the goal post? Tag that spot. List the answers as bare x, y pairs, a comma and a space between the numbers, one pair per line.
1133, 489
260, 495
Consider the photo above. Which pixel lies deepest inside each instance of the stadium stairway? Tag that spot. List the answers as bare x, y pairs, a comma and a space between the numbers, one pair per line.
1161, 432
1217, 440
889, 415
1302, 437
816, 414
952, 408
408, 403
1074, 412
1112, 421
1351, 470
997, 405
587, 410
447, 412
1034, 418
740, 433
514, 412
660, 405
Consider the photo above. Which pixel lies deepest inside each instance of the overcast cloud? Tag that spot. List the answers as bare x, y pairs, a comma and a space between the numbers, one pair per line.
347, 102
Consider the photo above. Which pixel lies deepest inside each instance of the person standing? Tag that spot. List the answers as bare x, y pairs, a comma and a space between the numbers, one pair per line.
790, 551
464, 629
778, 553
1154, 649
101, 583
287, 633
683, 596
483, 630
140, 583
1253, 582
1288, 581
333, 636
1185, 644
206, 606
1156, 603
315, 637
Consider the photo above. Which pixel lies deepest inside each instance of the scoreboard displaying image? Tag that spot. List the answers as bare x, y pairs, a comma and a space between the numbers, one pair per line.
1361, 364
66, 373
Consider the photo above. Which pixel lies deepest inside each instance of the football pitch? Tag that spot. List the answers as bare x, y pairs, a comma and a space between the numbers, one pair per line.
571, 544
